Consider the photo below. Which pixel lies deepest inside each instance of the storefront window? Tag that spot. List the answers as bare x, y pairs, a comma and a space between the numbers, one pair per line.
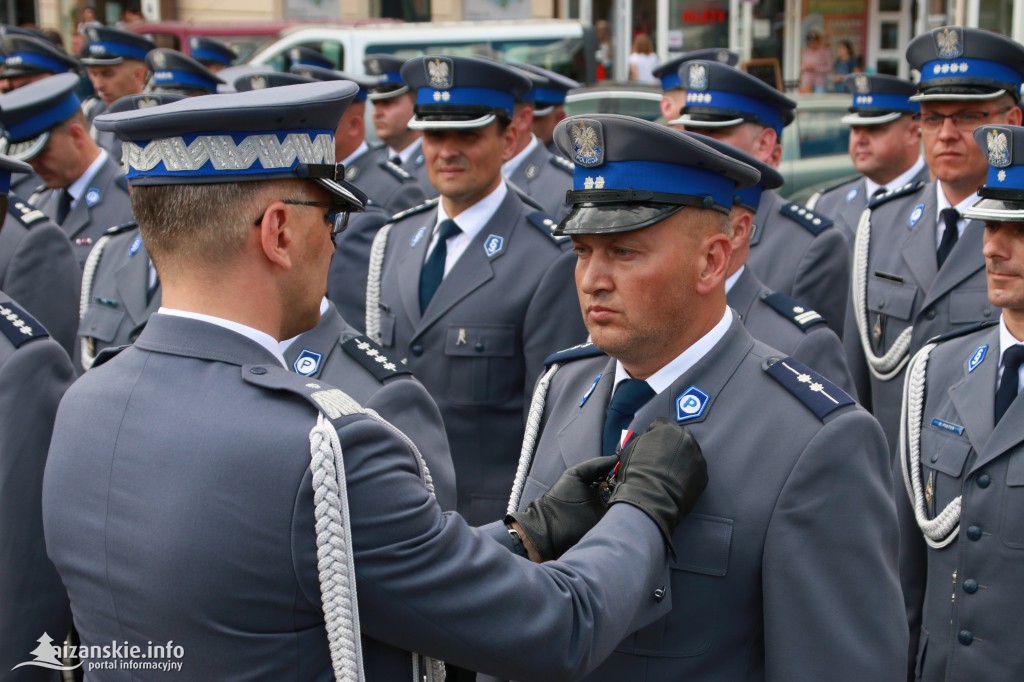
693, 25
834, 36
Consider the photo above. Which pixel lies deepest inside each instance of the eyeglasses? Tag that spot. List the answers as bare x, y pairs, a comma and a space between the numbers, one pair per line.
336, 215
963, 120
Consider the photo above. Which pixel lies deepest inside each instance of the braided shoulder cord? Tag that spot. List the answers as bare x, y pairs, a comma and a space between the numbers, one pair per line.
373, 282
92, 263
888, 366
540, 396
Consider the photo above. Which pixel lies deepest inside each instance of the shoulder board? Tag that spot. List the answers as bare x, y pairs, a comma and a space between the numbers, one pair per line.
122, 182
425, 206
791, 309
523, 196
832, 188
584, 350
562, 163
374, 358
817, 393
18, 326
107, 354
962, 331
26, 215
811, 221
122, 228
543, 222
397, 171
903, 191
331, 402
40, 189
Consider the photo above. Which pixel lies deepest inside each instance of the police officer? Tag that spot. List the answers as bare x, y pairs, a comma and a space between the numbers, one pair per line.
85, 191
187, 471
772, 564
673, 97
543, 176
472, 290
960, 455
177, 73
385, 183
211, 53
548, 104
778, 320
115, 61
885, 146
918, 269
793, 250
392, 109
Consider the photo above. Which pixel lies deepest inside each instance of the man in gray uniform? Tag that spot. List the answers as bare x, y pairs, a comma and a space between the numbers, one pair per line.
472, 290
773, 318
961, 451
392, 109
885, 146
793, 250
37, 263
204, 532
85, 191
772, 572
34, 373
918, 270
543, 176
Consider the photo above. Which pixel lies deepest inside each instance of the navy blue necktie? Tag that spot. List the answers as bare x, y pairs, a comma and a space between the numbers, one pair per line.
630, 396
1009, 385
63, 205
433, 268
950, 234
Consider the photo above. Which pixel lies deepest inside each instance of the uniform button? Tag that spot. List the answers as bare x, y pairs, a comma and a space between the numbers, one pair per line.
417, 350
881, 304
659, 594
987, 312
479, 347
974, 533
965, 637
984, 481
970, 586
257, 370
930, 313
935, 457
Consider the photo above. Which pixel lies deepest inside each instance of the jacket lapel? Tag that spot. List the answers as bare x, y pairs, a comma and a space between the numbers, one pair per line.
580, 438
974, 395
132, 280
410, 264
918, 247
964, 260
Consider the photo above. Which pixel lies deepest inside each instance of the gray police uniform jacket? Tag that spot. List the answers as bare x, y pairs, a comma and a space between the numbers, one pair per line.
416, 167
901, 289
545, 178
206, 535
506, 304
346, 280
24, 184
38, 269
796, 526
844, 203
801, 254
964, 600
104, 205
114, 301
338, 354
783, 323
34, 374
384, 182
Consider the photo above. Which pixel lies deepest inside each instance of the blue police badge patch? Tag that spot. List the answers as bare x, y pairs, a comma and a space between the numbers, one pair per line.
418, 236
493, 245
915, 215
307, 363
92, 197
590, 391
587, 142
852, 194
691, 404
977, 357
134, 248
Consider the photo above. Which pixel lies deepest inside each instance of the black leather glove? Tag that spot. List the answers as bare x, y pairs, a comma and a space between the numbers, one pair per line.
663, 472
565, 513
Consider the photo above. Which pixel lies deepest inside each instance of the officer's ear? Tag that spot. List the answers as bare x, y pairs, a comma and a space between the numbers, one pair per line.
668, 108
740, 221
276, 234
716, 253
1014, 116
509, 139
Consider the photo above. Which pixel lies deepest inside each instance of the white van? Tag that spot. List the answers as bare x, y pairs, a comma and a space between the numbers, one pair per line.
565, 46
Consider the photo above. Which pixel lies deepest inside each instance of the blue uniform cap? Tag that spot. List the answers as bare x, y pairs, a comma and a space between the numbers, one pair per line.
29, 113
719, 96
8, 166
174, 71
286, 132
27, 55
320, 74
143, 101
745, 197
273, 79
549, 88
1002, 195
208, 51
461, 92
668, 72
307, 56
958, 63
631, 173
879, 99
389, 69
112, 46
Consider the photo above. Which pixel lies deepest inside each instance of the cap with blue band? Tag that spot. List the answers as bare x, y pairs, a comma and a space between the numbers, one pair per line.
1002, 195
668, 72
748, 198
112, 46
173, 70
307, 56
29, 113
25, 55
208, 51
719, 96
958, 63
879, 99
549, 88
388, 68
